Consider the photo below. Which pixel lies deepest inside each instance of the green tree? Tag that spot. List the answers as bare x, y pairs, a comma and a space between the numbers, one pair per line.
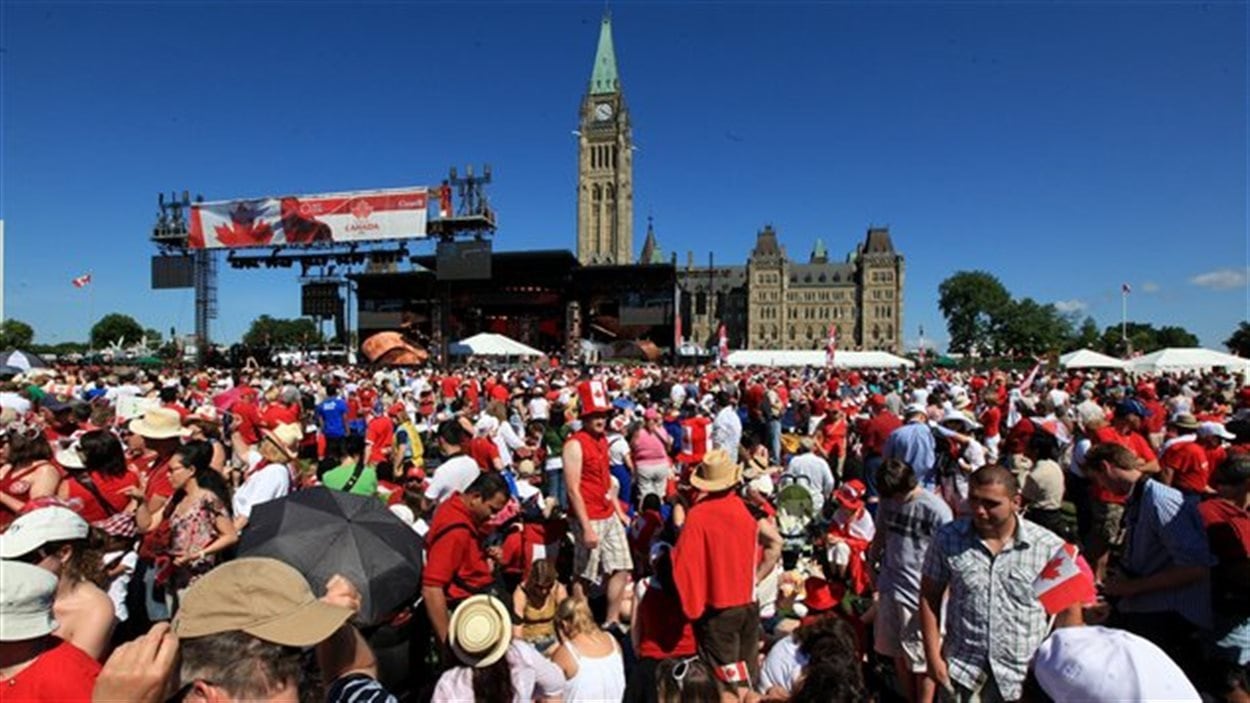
267, 331
1087, 337
153, 338
1239, 342
1029, 328
1169, 336
114, 328
15, 334
973, 303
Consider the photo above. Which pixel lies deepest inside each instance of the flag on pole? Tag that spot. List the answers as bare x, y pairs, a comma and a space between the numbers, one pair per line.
677, 332
1062, 583
831, 346
723, 345
82, 281
921, 357
1126, 288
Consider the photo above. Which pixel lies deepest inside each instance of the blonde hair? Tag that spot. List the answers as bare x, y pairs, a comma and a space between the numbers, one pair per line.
269, 449
573, 617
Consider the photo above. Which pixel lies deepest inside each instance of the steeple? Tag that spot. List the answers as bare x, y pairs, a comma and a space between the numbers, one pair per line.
820, 255
603, 79
651, 252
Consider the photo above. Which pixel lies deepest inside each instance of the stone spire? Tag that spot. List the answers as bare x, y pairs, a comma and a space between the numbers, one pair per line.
604, 79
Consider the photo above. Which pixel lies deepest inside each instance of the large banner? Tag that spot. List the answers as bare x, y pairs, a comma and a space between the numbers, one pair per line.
308, 219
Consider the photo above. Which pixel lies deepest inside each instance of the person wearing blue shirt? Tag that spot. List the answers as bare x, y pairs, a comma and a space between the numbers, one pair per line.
913, 443
332, 416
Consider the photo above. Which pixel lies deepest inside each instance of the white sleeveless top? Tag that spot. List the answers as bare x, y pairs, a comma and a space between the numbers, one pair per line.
597, 678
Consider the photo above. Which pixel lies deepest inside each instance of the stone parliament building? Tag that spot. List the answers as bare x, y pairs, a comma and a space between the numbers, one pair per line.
771, 302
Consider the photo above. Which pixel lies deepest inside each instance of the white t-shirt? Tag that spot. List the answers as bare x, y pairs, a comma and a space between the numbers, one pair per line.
618, 449
783, 665
452, 476
17, 403
121, 583
269, 483
540, 409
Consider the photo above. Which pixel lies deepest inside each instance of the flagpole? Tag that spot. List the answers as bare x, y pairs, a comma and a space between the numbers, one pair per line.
1124, 317
90, 312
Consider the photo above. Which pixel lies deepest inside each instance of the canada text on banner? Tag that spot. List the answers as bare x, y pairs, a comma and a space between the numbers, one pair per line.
309, 219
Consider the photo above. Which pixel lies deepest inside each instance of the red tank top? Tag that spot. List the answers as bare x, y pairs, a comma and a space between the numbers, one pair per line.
596, 476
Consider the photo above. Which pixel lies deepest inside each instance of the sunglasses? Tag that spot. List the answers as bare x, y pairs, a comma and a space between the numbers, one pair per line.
680, 670
34, 557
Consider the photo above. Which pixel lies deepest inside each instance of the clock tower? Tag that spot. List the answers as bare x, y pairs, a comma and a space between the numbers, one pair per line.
605, 164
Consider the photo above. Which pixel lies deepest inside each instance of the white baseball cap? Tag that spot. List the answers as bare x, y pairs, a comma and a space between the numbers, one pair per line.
1103, 664
1215, 429
26, 594
39, 527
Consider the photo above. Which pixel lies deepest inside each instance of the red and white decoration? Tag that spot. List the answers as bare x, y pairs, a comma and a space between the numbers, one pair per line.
722, 347
307, 219
1063, 583
82, 281
592, 398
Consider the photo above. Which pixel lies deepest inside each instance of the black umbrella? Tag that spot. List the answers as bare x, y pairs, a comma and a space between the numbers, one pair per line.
322, 532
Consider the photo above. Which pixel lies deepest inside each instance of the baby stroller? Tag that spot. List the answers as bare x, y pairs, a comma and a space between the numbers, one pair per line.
796, 512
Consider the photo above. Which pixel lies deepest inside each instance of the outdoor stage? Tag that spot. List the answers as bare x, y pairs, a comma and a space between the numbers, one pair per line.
544, 299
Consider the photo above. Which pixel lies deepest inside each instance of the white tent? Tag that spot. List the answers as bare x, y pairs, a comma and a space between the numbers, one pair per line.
489, 344
1089, 359
816, 358
1185, 359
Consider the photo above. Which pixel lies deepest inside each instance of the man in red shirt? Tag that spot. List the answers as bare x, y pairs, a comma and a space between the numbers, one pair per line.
1226, 517
714, 570
247, 426
456, 565
1211, 437
379, 437
1184, 465
601, 546
1108, 506
37, 665
872, 433
991, 419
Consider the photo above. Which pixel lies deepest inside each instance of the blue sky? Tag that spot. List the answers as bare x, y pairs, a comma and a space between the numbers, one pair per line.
1065, 147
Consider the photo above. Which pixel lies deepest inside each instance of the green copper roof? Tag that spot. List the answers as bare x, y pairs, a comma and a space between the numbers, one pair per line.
604, 79
819, 251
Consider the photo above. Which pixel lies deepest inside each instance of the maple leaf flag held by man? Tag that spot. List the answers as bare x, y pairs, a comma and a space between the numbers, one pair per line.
82, 281
1063, 583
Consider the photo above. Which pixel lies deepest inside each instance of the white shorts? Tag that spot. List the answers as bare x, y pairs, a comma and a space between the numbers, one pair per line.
897, 633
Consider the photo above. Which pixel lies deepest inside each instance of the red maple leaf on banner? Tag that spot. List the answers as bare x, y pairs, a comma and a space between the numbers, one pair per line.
244, 230
1051, 570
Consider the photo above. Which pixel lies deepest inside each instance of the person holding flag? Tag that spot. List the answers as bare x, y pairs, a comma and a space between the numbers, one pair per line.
831, 347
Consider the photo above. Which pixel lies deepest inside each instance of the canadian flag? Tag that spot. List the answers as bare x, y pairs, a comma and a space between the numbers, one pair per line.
831, 347
82, 281
723, 345
733, 673
1063, 583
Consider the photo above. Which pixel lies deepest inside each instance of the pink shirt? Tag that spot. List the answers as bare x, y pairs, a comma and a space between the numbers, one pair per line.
649, 448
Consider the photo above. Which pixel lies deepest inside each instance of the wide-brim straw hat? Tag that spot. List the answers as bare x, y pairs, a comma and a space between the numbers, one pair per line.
717, 472
480, 631
159, 423
287, 438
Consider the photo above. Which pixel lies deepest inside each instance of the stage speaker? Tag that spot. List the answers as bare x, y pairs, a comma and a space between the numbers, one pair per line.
463, 261
321, 300
573, 329
173, 272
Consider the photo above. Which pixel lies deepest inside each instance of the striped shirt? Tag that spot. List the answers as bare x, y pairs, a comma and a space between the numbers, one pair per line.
1164, 532
993, 617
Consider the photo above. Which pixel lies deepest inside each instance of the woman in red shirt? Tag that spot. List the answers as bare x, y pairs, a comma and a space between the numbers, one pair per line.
659, 629
97, 476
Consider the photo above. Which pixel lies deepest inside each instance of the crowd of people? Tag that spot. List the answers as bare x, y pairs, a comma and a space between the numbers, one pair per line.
633, 533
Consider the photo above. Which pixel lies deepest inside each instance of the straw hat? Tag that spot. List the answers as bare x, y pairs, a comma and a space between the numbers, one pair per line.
717, 472
480, 631
287, 437
159, 423
206, 414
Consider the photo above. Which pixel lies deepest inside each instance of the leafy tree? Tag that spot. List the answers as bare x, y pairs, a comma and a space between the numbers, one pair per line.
1029, 328
267, 331
1145, 338
973, 303
1239, 342
113, 328
153, 338
1087, 337
15, 334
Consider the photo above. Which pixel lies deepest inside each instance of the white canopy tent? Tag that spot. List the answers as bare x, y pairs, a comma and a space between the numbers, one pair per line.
816, 358
1185, 359
1089, 359
490, 344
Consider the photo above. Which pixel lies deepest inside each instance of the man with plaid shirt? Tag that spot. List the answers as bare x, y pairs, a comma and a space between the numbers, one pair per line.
994, 622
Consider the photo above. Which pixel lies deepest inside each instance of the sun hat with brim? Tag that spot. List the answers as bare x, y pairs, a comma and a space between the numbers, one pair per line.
26, 595
1215, 429
1184, 421
286, 437
32, 530
159, 423
850, 495
717, 472
70, 457
962, 418
264, 598
480, 631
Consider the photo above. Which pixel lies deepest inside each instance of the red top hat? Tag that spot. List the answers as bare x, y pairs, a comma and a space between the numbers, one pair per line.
822, 595
592, 398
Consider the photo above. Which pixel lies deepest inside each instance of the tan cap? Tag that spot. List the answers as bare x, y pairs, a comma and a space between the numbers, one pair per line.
262, 597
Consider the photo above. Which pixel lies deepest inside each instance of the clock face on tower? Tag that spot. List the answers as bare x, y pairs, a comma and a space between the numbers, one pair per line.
603, 112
